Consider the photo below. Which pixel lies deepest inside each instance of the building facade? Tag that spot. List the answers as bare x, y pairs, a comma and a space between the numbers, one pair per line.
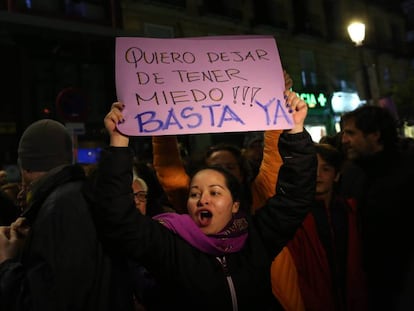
56, 59
312, 39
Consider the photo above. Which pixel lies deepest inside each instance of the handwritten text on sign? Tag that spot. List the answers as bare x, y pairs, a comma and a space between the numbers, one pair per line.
200, 85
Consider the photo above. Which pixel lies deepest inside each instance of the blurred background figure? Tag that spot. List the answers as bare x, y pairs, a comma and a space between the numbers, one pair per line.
145, 180
371, 141
253, 150
143, 283
3, 177
61, 265
140, 191
9, 210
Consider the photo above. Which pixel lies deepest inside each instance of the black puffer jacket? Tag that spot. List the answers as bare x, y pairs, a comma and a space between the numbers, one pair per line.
193, 280
387, 213
63, 266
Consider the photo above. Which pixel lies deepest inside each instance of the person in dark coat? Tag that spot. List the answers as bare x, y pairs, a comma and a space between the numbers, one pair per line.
51, 258
9, 211
215, 257
371, 141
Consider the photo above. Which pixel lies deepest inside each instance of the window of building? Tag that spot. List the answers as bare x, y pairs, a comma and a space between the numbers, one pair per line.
300, 12
39, 5
176, 3
270, 12
89, 9
381, 33
158, 31
306, 18
229, 8
332, 16
386, 77
308, 72
396, 35
342, 77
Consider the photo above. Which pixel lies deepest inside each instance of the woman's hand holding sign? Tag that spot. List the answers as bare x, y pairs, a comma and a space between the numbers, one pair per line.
298, 108
114, 117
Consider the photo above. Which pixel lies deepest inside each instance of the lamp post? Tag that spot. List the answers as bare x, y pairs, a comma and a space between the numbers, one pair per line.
356, 31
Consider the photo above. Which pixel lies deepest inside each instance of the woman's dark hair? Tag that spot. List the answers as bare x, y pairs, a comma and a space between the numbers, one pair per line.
232, 182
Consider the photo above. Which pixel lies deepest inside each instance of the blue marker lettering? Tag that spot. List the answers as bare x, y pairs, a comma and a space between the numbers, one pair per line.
210, 108
170, 118
232, 116
198, 117
280, 107
265, 108
150, 120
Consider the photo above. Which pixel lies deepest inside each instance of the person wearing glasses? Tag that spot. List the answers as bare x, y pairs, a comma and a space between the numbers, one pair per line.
143, 283
140, 191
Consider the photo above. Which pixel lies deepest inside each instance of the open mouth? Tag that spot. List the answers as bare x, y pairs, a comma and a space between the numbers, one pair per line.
205, 214
205, 218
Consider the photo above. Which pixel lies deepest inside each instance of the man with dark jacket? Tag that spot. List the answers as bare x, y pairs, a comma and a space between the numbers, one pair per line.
61, 265
371, 141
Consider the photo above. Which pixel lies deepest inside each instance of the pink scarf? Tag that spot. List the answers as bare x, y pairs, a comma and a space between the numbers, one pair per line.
230, 240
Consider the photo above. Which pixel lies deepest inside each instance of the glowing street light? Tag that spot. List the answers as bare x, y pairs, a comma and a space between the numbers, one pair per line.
356, 31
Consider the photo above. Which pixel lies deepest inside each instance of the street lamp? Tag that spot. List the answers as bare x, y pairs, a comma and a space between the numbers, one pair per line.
356, 31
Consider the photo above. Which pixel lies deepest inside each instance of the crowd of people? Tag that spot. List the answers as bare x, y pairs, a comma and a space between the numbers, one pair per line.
284, 224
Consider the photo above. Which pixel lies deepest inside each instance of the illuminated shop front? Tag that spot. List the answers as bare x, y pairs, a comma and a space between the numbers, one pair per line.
343, 102
319, 121
325, 111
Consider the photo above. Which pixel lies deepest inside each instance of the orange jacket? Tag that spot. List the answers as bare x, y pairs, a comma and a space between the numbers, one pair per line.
315, 278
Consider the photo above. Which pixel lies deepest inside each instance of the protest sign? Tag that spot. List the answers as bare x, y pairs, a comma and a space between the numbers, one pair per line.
200, 85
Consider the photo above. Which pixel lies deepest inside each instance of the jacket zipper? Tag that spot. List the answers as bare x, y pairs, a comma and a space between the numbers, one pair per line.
223, 263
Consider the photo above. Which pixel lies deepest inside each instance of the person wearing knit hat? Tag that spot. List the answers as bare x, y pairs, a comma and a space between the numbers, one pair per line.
51, 257
44, 145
